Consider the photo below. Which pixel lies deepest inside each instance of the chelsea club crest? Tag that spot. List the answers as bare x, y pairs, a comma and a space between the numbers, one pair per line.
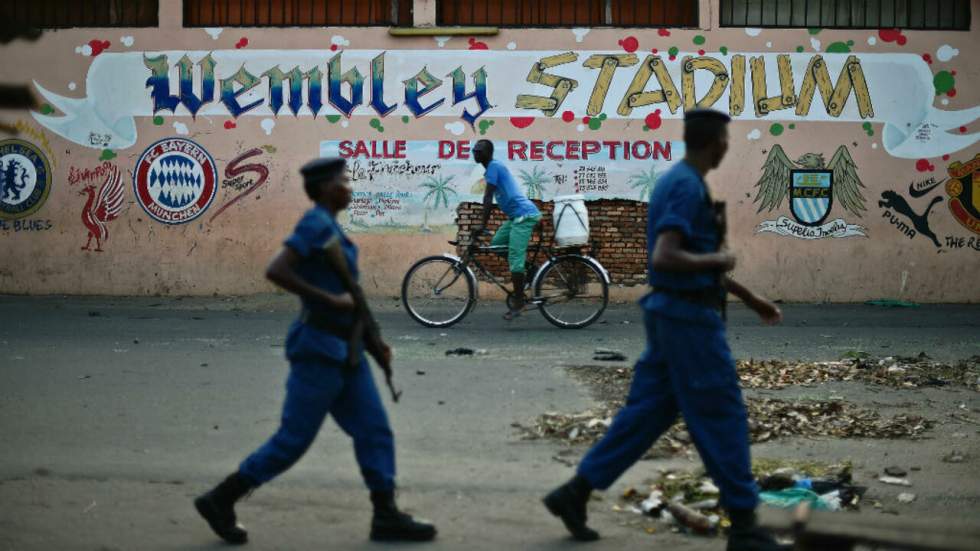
25, 179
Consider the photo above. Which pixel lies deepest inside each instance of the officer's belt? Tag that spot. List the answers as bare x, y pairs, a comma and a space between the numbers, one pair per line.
712, 297
325, 322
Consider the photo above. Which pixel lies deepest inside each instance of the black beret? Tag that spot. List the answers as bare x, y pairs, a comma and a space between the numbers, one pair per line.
319, 170
706, 114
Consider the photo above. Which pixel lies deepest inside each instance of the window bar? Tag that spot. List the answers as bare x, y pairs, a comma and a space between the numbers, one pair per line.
792, 10
663, 12
501, 12
939, 13
731, 18
486, 12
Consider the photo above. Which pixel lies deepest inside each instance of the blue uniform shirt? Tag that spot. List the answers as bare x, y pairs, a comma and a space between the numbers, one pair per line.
315, 231
679, 202
508, 195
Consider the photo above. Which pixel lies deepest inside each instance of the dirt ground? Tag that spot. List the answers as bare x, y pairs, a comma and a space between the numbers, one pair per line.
115, 413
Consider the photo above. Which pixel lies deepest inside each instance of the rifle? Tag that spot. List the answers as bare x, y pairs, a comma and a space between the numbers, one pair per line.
721, 225
365, 330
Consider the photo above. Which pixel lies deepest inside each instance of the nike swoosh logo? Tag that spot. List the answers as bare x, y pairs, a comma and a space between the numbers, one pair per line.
916, 193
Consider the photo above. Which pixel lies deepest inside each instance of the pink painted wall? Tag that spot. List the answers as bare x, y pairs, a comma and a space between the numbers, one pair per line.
42, 252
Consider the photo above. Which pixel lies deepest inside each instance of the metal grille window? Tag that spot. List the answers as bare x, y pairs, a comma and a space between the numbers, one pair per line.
569, 13
296, 13
848, 14
54, 14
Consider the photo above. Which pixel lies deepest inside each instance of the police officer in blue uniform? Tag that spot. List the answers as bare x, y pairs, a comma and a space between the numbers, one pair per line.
687, 367
319, 382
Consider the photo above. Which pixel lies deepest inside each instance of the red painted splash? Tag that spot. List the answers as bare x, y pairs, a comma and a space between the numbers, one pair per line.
242, 42
653, 120
630, 44
333, 47
98, 46
951, 93
700, 52
585, 119
962, 130
892, 35
945, 157
568, 116
522, 122
653, 50
477, 45
922, 165
229, 125
663, 32
927, 58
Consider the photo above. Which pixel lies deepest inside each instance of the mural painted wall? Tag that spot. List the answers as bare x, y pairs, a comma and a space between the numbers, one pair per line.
165, 160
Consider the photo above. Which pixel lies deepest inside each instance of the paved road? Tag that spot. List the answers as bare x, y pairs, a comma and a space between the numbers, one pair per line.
115, 412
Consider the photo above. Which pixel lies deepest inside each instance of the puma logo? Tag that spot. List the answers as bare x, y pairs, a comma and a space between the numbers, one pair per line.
895, 202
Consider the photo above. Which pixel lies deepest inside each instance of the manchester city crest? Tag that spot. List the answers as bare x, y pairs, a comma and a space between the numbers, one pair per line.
175, 180
810, 197
25, 179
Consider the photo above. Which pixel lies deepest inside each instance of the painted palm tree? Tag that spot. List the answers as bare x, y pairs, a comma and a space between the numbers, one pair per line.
644, 182
534, 181
439, 191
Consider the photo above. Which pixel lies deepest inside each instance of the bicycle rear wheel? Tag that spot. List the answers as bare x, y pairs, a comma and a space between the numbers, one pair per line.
573, 292
438, 291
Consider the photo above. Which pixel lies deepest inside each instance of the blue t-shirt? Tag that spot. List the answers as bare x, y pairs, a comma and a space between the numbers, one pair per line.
316, 231
680, 202
508, 195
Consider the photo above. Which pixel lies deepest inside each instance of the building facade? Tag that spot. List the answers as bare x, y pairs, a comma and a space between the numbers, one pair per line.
162, 156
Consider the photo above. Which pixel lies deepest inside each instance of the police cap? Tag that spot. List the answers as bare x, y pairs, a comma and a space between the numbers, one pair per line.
322, 170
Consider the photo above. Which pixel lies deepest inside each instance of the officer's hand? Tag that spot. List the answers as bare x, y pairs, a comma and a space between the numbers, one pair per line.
385, 353
344, 301
768, 311
726, 261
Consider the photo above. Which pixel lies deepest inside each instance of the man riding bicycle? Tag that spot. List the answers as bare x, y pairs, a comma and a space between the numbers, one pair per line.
522, 217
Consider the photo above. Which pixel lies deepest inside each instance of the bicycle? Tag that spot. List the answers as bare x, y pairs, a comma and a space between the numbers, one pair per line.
571, 290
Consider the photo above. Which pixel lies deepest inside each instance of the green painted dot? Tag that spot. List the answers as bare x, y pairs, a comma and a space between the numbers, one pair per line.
723, 50
799, 49
375, 123
814, 30
333, 118
602, 116
406, 118
158, 120
673, 50
699, 39
491, 122
46, 109
944, 81
645, 128
838, 48
868, 129
595, 123
792, 126
381, 128
107, 155
776, 129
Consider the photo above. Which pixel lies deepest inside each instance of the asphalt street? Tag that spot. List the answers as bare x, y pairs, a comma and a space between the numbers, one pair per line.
115, 412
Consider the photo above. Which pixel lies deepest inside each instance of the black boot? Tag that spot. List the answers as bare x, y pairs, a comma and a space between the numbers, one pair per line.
390, 524
568, 502
746, 535
218, 507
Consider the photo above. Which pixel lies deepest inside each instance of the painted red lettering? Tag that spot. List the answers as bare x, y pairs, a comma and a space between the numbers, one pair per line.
612, 149
571, 150
399, 149
551, 153
516, 148
361, 149
446, 149
590, 147
462, 150
345, 150
661, 149
641, 150
537, 150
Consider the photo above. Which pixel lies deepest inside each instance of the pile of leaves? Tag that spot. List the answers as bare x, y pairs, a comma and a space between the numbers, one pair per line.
896, 372
769, 418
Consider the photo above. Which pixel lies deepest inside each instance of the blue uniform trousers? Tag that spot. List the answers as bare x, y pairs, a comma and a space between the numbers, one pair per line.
313, 389
687, 368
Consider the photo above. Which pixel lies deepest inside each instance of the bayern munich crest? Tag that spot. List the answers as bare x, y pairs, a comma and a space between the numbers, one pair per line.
25, 179
175, 180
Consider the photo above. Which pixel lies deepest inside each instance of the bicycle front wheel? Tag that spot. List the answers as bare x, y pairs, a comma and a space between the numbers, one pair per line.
438, 291
572, 292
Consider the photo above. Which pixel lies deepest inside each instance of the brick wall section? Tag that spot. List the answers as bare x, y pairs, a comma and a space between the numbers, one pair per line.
617, 235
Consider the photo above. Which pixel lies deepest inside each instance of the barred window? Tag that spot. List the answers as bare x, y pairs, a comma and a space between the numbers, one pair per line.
569, 13
848, 14
55, 14
296, 13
